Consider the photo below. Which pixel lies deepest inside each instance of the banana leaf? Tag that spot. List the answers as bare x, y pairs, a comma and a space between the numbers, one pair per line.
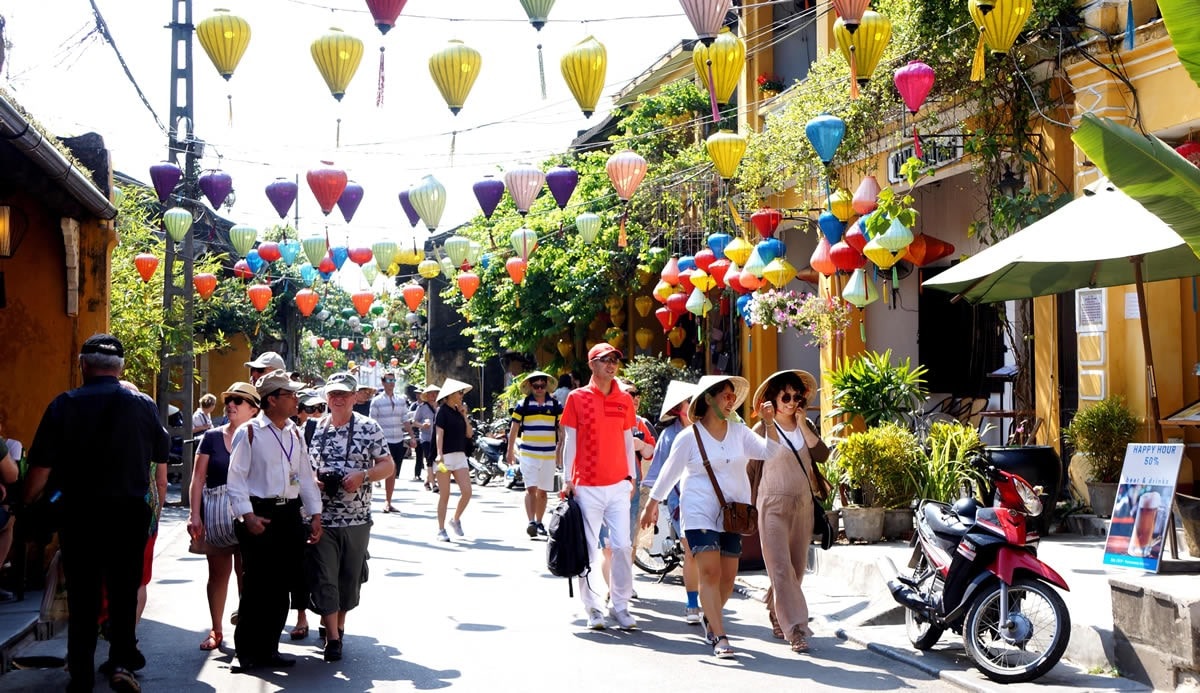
1182, 18
1148, 170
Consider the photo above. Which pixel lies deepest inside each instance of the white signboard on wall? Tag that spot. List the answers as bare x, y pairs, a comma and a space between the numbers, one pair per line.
1090, 311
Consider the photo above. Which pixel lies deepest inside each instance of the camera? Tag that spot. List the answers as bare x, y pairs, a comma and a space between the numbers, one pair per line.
332, 479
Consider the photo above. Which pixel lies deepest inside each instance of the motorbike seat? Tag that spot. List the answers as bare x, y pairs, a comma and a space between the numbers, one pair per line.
491, 442
944, 522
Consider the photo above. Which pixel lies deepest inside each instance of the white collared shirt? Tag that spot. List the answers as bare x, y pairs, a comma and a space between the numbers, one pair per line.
276, 464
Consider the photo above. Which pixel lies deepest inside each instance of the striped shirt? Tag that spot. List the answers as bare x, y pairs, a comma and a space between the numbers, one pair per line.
538, 438
391, 413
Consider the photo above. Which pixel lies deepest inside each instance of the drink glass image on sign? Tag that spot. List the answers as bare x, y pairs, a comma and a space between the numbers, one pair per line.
1147, 521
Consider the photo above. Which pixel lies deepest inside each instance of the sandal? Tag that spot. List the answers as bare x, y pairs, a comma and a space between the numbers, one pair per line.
799, 643
213, 641
123, 680
389, 509
722, 651
299, 632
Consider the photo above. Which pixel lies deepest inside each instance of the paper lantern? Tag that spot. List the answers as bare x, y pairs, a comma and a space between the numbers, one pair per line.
488, 193
866, 197
359, 255
327, 267
339, 255
670, 271
626, 169
881, 256
662, 291
1189, 151
738, 250
821, 260
468, 284
327, 184
856, 235
643, 304
454, 69
413, 295
851, 11
846, 258
584, 67
779, 272
146, 264
385, 12
177, 221
241, 270
766, 220
914, 81
254, 261
698, 304
260, 296
428, 198
825, 133
370, 272
717, 270
349, 200
456, 248
538, 11
562, 181
289, 251
831, 227
676, 336
406, 205
727, 55
216, 186
164, 175
841, 203
524, 242
895, 239
677, 304
717, 242
306, 301
860, 291
385, 252
428, 268
588, 225
685, 281
224, 37
282, 194
701, 280
706, 16
315, 249
644, 337
362, 301
242, 238
515, 267
999, 23
337, 55
666, 318
411, 251
726, 149
524, 183
269, 251
205, 284
864, 47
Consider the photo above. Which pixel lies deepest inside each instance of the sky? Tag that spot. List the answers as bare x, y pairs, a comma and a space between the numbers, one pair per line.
284, 118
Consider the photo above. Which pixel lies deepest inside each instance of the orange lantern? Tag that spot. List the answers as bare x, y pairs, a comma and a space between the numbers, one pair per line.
260, 296
362, 301
468, 284
306, 301
146, 265
516, 269
413, 295
205, 284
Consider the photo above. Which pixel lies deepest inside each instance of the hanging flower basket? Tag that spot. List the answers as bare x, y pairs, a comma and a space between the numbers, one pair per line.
821, 318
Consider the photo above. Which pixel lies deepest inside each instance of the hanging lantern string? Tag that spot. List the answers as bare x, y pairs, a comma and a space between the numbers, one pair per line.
338, 136
453, 145
379, 89
541, 70
229, 98
712, 91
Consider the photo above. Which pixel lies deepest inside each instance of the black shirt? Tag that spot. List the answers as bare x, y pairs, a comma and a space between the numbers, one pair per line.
454, 429
98, 441
363, 408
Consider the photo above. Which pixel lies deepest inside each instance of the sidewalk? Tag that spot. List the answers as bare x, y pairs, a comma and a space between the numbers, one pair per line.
862, 611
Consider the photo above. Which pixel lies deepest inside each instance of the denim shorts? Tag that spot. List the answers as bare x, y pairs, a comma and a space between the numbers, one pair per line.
701, 540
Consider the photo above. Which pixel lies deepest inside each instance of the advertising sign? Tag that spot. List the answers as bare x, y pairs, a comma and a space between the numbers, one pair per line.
1144, 497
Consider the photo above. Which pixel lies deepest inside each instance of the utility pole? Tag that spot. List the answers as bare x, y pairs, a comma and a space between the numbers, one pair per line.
181, 117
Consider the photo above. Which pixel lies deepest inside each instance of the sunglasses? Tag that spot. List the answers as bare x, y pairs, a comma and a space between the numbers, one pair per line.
239, 401
788, 398
318, 409
634, 393
389, 380
611, 360
539, 384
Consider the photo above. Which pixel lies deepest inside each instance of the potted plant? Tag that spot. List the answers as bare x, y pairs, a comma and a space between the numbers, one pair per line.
820, 317
872, 388
880, 462
945, 472
1101, 433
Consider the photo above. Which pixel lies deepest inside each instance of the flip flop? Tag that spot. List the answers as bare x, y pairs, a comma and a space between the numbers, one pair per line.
213, 641
299, 633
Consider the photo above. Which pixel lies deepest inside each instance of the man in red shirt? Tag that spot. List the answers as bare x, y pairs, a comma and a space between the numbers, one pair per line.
598, 466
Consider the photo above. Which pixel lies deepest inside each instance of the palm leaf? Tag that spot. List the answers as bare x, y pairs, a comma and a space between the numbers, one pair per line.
1182, 18
1148, 170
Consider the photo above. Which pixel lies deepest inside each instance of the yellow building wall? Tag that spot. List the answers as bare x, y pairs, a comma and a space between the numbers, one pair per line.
223, 368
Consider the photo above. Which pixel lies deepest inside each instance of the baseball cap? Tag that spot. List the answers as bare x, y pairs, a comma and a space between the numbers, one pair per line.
275, 381
341, 382
311, 398
268, 360
603, 349
103, 344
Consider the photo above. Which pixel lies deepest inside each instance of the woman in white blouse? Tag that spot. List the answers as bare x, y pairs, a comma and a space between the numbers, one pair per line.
728, 444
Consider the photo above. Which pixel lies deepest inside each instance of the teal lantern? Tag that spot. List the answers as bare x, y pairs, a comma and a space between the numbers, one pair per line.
825, 132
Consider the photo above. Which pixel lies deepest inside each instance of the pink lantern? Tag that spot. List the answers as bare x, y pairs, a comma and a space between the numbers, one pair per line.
524, 183
707, 17
851, 12
705, 258
626, 170
866, 197
670, 271
821, 260
914, 81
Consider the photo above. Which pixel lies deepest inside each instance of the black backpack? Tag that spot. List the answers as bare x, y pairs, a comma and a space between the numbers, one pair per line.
567, 549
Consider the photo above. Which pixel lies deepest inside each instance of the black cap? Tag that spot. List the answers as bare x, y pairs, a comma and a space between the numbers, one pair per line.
103, 344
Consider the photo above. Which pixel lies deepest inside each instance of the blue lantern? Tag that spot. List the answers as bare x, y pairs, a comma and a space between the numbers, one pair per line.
308, 274
289, 250
766, 251
826, 133
325, 275
687, 262
717, 243
743, 308
339, 254
256, 263
830, 226
486, 260
778, 246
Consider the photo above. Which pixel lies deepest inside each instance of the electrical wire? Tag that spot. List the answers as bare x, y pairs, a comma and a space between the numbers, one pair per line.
102, 27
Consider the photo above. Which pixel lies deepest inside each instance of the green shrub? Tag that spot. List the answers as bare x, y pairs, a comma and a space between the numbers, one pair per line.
944, 468
651, 374
883, 461
1101, 432
871, 387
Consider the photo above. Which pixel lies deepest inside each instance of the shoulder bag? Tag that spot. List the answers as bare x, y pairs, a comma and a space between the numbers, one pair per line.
217, 511
820, 521
741, 518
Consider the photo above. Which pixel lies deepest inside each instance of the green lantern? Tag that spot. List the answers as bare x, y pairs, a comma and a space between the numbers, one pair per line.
177, 221
243, 237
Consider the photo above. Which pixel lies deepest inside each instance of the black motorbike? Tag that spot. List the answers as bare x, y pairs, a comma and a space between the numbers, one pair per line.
486, 460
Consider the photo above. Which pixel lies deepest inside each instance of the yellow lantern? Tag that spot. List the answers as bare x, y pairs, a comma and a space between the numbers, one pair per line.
410, 252
779, 272
728, 56
454, 69
679, 363
565, 347
701, 280
337, 55
429, 268
864, 47
841, 203
224, 38
739, 250
726, 149
677, 335
584, 68
644, 337
999, 22
663, 291
643, 305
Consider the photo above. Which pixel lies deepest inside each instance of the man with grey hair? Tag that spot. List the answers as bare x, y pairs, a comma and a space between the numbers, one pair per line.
93, 450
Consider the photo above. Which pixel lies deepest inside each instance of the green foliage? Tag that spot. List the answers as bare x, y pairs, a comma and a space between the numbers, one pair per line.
1101, 432
869, 386
883, 461
652, 374
944, 469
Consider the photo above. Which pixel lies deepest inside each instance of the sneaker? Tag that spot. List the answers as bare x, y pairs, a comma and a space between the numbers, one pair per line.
333, 651
625, 620
595, 620
691, 615
532, 529
541, 530
456, 525
442, 536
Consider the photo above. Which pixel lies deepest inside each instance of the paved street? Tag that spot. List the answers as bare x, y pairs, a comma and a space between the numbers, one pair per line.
483, 614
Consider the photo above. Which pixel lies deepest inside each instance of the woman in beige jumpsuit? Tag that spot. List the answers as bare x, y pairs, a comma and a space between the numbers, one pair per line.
784, 500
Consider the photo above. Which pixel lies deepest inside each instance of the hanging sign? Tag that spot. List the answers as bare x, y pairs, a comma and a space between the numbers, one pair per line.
1144, 497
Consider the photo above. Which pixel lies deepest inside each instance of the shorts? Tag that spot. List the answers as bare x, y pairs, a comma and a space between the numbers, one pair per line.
336, 566
701, 540
398, 451
455, 461
538, 473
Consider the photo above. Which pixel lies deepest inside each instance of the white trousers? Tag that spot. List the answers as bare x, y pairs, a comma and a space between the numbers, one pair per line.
607, 505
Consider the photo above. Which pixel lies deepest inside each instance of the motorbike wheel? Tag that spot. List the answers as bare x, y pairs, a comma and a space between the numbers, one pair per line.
921, 633
1042, 624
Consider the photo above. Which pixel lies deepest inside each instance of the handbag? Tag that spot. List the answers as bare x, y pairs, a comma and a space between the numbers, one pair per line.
741, 518
820, 520
218, 518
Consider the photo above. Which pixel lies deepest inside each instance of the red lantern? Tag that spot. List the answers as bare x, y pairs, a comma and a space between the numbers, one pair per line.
516, 269
269, 251
260, 296
748, 281
1190, 151
677, 304
241, 270
846, 258
412, 344
685, 281
717, 271
362, 301
705, 258
359, 256
856, 237
329, 362
327, 184
146, 264
468, 284
327, 266
734, 281
665, 318
821, 261
335, 343
205, 284
306, 301
320, 341
766, 220
413, 295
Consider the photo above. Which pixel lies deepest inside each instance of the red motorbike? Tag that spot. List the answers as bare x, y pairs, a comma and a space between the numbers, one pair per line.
975, 571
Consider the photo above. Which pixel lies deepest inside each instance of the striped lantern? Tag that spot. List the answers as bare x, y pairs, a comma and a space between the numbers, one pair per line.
337, 55
524, 183
584, 68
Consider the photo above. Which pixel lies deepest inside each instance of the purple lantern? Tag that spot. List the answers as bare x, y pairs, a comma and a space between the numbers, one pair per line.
409, 210
216, 186
350, 199
282, 193
488, 191
164, 175
562, 181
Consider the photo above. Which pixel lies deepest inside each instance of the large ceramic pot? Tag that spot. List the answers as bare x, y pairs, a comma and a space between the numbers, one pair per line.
863, 524
1102, 496
1037, 464
898, 524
